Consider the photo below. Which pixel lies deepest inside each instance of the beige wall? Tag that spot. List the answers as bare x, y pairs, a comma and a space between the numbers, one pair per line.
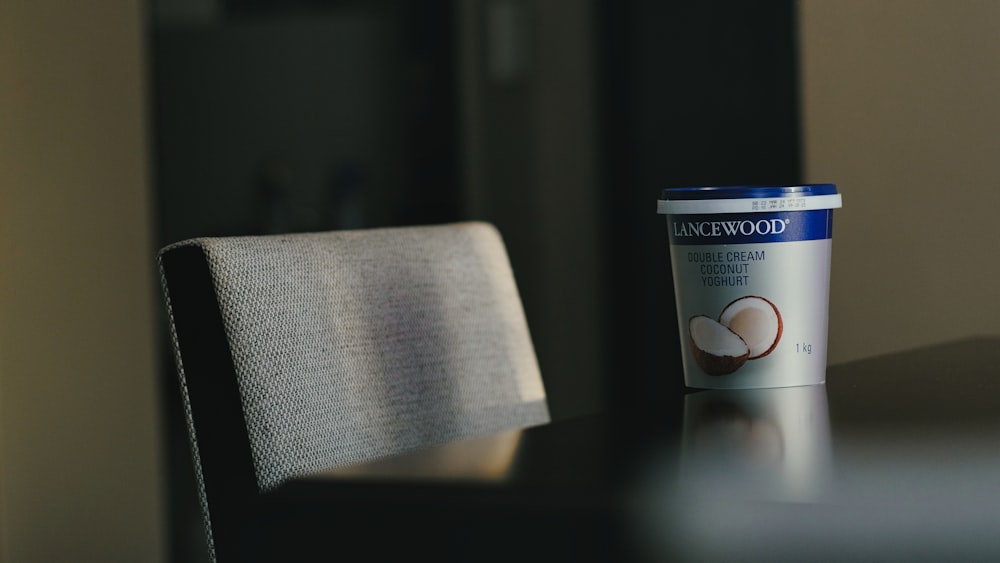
901, 106
80, 476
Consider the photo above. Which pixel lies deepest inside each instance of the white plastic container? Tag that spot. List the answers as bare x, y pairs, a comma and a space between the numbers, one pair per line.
751, 271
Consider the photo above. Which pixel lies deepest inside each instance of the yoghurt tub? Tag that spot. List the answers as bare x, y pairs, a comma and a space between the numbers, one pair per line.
751, 272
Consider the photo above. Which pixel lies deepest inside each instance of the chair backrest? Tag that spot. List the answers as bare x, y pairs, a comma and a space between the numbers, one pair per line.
305, 351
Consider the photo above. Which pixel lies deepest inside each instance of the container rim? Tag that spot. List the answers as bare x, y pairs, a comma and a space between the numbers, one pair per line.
789, 201
746, 192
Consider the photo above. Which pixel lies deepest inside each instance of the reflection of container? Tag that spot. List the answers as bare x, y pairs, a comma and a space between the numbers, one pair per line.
769, 444
751, 269
745, 455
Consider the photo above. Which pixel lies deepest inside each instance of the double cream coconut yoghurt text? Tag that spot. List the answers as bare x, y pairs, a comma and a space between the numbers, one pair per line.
751, 268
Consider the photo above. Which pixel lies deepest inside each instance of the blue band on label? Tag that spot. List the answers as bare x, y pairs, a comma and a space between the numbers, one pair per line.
747, 228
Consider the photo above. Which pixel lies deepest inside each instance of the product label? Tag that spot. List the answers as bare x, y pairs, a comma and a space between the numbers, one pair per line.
752, 296
748, 228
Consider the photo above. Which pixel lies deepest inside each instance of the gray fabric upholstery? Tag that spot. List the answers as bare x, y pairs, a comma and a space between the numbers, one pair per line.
353, 345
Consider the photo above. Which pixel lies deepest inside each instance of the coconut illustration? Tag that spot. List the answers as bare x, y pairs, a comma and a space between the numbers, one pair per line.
748, 328
716, 349
757, 321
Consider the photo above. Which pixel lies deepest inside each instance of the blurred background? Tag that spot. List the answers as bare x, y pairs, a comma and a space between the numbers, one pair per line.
126, 125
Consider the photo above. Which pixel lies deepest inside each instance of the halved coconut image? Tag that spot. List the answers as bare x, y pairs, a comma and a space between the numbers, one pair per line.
757, 321
716, 349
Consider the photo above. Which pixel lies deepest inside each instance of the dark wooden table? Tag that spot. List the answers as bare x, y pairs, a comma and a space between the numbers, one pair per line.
895, 458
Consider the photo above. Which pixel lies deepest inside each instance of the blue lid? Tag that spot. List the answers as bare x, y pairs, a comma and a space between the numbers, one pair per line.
742, 192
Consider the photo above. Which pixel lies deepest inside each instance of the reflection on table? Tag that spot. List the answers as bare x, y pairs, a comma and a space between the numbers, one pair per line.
738, 448
489, 458
895, 458
769, 444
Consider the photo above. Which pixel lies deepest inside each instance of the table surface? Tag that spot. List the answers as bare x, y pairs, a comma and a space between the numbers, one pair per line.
895, 458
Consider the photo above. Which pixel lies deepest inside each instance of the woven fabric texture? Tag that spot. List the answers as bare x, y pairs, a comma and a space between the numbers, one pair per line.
354, 345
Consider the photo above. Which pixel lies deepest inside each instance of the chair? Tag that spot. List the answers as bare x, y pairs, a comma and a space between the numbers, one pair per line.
306, 351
